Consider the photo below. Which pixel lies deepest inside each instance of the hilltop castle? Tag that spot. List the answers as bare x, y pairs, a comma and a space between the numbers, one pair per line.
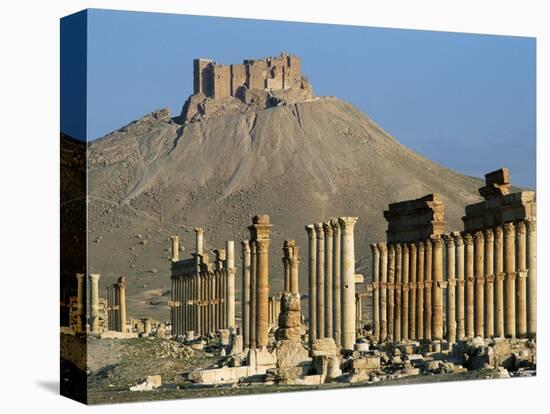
253, 85
273, 73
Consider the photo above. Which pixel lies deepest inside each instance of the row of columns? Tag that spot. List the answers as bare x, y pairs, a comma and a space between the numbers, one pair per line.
199, 301
274, 310
116, 305
490, 285
204, 301
332, 309
94, 303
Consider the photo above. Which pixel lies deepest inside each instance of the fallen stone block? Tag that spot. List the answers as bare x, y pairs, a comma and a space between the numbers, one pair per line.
150, 383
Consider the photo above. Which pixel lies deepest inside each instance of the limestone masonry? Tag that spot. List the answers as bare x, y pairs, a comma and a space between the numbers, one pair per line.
255, 84
216, 81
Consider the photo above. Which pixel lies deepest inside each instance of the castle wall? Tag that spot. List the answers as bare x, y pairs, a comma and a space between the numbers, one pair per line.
222, 81
257, 73
238, 79
202, 77
219, 81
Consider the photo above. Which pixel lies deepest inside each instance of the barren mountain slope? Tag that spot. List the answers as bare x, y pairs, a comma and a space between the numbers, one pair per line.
299, 163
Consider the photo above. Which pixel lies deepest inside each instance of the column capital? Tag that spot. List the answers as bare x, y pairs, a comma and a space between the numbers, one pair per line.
509, 230
310, 228
449, 240
497, 231
121, 281
319, 231
245, 244
457, 238
347, 224
80, 276
199, 230
382, 247
327, 227
420, 245
262, 245
428, 245
405, 248
478, 236
531, 224
398, 248
374, 248
252, 245
412, 248
335, 226
437, 241
94, 277
489, 235
468, 239
391, 249
520, 228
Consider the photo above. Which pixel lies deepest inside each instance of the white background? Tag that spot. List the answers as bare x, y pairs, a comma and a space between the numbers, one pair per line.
29, 202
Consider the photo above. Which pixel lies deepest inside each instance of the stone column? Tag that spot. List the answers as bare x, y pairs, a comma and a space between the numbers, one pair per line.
294, 269
510, 281
469, 270
420, 290
336, 283
521, 258
121, 287
412, 291
532, 277
437, 288
312, 281
198, 307
286, 267
499, 281
246, 293
479, 278
328, 279
320, 280
489, 283
428, 289
230, 269
81, 302
261, 229
383, 291
199, 245
391, 290
375, 290
451, 288
213, 326
253, 278
397, 293
175, 248
358, 307
405, 292
459, 243
94, 303
347, 225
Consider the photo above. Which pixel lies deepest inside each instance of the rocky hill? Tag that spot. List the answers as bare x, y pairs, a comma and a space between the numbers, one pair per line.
300, 163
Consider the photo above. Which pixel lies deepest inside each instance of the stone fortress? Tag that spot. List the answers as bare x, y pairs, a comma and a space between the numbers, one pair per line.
219, 81
253, 85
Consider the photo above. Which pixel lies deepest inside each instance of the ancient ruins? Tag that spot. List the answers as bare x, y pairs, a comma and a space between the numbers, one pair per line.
203, 293
436, 301
429, 284
253, 85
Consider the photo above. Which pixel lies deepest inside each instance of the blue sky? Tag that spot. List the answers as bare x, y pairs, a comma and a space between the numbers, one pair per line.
465, 101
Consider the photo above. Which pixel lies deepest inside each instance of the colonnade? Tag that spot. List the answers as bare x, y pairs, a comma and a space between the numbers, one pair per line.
457, 285
203, 293
332, 303
116, 305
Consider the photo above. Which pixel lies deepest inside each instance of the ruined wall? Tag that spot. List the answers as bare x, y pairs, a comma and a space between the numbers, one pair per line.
413, 220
